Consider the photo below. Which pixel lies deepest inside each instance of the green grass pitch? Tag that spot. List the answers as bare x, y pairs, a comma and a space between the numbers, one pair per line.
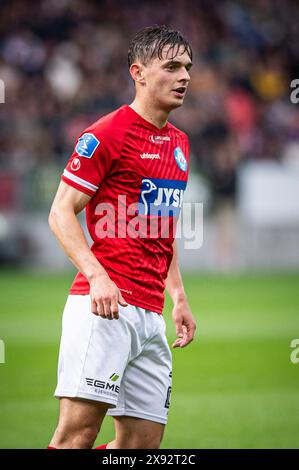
233, 387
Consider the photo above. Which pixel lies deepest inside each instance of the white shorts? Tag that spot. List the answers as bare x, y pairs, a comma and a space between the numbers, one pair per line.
126, 362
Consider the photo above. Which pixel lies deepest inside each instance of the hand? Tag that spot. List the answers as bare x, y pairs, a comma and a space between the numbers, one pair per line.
184, 322
105, 297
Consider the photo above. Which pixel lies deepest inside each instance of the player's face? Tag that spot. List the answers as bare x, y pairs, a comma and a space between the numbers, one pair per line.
167, 79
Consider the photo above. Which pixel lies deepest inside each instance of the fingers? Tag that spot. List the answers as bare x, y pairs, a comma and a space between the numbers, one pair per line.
191, 331
181, 336
186, 338
97, 308
179, 333
121, 300
100, 308
107, 307
188, 335
105, 297
94, 307
114, 308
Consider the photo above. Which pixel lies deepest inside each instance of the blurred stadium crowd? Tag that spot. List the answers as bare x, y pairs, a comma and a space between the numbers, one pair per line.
64, 64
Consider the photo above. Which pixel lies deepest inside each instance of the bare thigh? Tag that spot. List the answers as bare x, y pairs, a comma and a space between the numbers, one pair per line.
136, 433
79, 422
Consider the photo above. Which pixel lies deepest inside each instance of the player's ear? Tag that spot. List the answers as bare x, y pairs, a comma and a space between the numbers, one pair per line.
137, 73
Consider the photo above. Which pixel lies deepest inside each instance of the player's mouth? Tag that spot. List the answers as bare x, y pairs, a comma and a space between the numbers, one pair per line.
180, 91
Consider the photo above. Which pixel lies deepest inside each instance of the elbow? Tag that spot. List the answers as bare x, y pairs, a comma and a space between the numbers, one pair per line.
59, 216
52, 219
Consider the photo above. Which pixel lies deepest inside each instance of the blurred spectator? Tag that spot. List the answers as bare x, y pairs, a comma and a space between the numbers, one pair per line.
64, 65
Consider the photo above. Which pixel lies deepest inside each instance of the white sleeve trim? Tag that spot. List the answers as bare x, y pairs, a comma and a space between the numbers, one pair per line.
80, 181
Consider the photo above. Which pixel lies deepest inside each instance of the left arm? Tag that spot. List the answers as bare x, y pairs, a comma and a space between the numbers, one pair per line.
181, 314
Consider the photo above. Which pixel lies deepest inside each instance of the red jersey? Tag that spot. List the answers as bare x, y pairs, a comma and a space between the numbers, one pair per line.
136, 175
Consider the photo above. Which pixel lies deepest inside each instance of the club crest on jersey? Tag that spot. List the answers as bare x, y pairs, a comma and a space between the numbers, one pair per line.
87, 145
161, 197
180, 158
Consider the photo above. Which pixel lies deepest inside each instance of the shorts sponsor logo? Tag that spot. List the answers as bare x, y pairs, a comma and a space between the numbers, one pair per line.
114, 377
167, 403
87, 145
161, 197
100, 385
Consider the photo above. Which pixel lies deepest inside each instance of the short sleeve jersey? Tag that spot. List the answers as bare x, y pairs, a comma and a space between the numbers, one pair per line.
136, 175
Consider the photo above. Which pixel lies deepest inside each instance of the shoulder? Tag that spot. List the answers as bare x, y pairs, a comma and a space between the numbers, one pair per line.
110, 127
104, 136
179, 132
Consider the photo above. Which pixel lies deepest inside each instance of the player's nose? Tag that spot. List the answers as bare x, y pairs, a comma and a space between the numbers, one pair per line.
184, 77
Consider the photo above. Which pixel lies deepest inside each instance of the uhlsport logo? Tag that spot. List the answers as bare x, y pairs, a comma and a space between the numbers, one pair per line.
87, 145
180, 158
161, 197
75, 165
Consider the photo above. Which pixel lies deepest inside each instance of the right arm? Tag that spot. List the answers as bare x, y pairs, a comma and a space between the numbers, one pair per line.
63, 222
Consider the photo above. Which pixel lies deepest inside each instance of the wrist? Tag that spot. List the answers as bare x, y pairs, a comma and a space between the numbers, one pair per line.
179, 297
95, 274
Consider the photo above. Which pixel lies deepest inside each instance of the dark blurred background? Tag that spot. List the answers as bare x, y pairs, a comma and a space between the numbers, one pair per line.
64, 64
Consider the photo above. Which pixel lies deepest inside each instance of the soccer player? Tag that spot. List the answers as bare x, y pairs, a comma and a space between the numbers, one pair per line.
129, 170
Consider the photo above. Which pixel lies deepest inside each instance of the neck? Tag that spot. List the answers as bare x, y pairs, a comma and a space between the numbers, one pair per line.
157, 117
